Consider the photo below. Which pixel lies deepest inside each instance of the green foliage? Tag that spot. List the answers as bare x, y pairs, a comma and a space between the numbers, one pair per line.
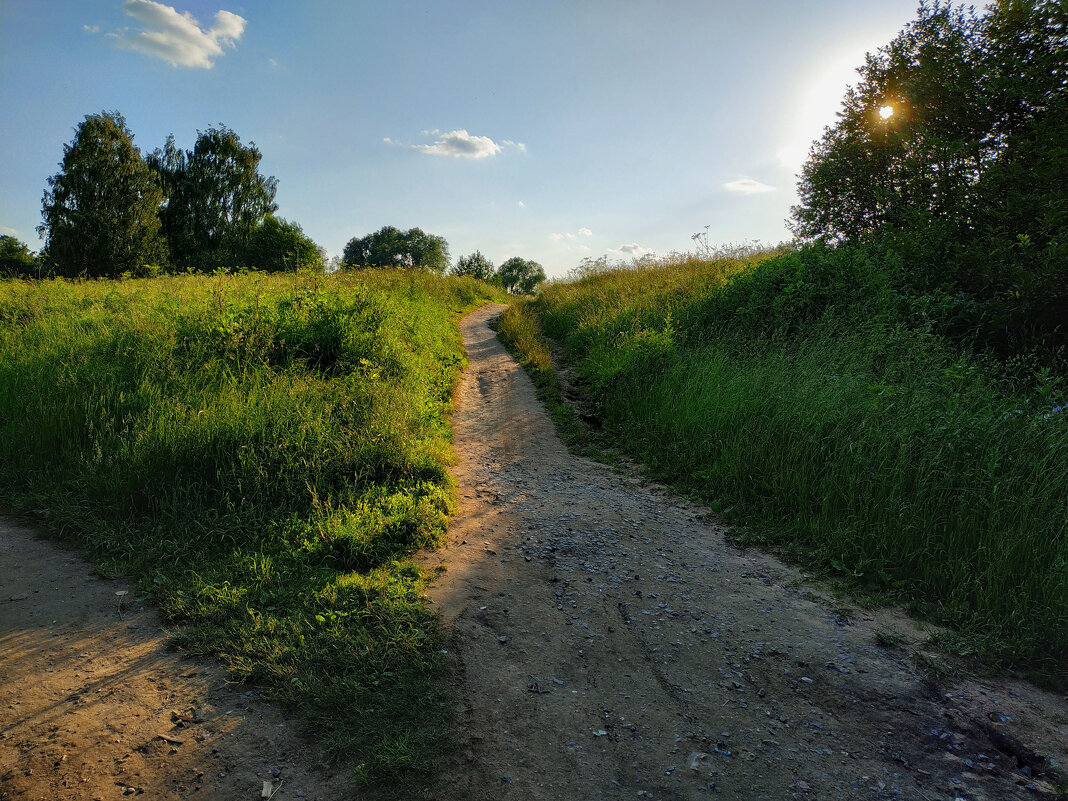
961, 87
216, 199
474, 266
391, 247
264, 453
965, 182
520, 276
16, 260
812, 399
100, 211
277, 245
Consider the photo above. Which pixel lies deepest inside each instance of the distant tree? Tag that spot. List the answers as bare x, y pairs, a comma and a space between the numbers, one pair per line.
520, 276
101, 209
216, 199
16, 260
277, 245
474, 266
391, 247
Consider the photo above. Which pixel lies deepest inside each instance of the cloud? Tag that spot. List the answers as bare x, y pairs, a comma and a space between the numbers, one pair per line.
521, 204
91, 28
176, 36
10, 232
460, 144
569, 235
747, 186
631, 250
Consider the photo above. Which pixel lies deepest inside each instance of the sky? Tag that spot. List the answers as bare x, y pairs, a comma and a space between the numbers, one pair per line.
548, 130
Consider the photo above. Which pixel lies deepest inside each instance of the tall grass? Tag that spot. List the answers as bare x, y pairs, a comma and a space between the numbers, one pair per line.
808, 400
263, 454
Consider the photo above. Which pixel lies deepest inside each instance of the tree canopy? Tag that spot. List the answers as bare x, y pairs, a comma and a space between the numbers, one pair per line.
215, 199
950, 154
391, 247
933, 112
520, 276
277, 245
474, 266
16, 260
100, 212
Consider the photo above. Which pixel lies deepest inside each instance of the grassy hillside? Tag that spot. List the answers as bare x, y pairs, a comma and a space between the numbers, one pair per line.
804, 397
263, 454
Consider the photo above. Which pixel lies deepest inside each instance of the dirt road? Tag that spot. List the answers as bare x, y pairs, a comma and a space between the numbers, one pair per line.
94, 705
612, 644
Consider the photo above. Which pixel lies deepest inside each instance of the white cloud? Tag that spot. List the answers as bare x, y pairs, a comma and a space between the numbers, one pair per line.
10, 232
176, 36
91, 28
747, 186
631, 250
570, 235
521, 204
461, 144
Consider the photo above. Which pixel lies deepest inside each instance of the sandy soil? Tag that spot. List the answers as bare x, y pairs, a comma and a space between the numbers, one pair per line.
94, 705
612, 644
608, 641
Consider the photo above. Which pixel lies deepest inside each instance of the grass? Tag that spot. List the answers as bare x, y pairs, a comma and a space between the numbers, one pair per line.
798, 394
264, 454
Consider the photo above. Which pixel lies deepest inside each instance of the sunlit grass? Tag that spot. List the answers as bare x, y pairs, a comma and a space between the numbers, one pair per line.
263, 453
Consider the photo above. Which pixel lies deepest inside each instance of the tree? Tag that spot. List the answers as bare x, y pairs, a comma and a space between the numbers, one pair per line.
965, 181
391, 247
957, 88
278, 245
16, 260
101, 210
474, 266
520, 276
216, 198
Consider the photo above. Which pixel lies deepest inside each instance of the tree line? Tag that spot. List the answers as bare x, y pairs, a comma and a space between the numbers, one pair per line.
391, 247
111, 212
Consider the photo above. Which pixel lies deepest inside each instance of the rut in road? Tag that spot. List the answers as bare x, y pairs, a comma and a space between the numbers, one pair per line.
612, 644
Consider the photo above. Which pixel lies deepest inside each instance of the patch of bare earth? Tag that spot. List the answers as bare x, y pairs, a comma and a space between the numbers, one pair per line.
94, 705
612, 644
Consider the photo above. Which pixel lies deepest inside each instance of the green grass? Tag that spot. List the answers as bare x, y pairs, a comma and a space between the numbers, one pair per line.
263, 454
802, 397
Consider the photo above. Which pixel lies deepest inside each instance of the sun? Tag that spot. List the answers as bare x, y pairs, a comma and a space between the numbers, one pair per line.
886, 112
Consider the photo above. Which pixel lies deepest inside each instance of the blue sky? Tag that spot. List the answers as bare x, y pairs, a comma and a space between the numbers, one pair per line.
548, 130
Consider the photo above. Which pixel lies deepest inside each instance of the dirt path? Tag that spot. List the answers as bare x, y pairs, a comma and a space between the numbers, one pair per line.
612, 645
93, 705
